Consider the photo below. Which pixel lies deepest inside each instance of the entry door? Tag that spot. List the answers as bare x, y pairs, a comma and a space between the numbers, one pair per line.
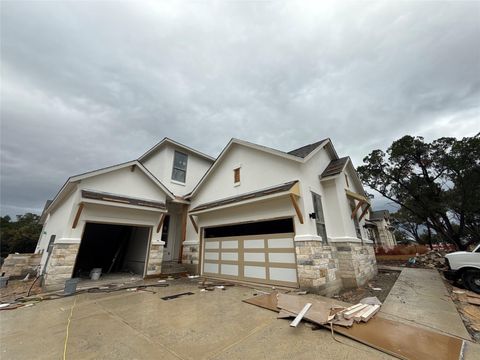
266, 258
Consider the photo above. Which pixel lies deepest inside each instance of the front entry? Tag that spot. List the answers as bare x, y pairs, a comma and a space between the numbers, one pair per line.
258, 252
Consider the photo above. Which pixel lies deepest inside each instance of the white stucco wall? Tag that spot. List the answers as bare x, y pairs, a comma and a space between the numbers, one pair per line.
121, 182
160, 164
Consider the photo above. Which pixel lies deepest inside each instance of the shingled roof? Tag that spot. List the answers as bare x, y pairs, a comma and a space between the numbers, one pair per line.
256, 194
303, 151
335, 167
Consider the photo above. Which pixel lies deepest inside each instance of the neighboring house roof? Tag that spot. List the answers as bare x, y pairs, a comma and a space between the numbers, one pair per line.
165, 141
304, 151
379, 215
335, 167
73, 180
250, 195
312, 148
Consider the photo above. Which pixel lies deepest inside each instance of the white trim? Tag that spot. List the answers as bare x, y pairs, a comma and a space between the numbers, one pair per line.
173, 142
177, 182
160, 242
122, 205
191, 242
237, 184
68, 241
308, 238
349, 239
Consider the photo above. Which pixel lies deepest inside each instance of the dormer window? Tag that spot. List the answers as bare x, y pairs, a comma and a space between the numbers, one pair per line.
236, 176
179, 172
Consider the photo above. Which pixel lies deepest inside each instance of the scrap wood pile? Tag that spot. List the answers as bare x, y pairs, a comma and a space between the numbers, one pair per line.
433, 259
321, 313
205, 285
400, 339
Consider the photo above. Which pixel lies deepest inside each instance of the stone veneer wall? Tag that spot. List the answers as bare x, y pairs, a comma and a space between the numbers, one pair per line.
60, 265
191, 257
155, 258
19, 265
317, 267
357, 263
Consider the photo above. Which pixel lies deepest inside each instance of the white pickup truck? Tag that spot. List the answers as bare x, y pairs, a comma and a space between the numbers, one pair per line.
464, 266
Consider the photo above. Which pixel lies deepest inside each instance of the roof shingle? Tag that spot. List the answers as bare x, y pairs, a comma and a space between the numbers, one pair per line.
303, 151
335, 167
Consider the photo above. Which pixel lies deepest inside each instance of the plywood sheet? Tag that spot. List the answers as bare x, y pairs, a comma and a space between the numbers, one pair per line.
318, 312
267, 301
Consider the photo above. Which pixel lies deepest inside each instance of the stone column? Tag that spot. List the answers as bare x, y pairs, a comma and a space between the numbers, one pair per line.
357, 263
155, 258
60, 265
317, 267
191, 256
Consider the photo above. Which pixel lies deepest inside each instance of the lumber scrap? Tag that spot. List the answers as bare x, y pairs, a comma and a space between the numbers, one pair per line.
351, 313
300, 315
369, 314
358, 315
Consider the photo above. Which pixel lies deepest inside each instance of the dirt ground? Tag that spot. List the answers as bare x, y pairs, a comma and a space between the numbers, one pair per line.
19, 288
384, 281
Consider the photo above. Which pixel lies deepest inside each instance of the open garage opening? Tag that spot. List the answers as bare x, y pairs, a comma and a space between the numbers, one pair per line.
116, 249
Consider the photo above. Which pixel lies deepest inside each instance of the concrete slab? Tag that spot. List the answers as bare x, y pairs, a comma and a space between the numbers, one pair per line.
420, 296
140, 325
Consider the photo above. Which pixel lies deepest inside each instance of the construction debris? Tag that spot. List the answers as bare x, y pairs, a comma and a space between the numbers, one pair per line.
171, 297
431, 260
399, 339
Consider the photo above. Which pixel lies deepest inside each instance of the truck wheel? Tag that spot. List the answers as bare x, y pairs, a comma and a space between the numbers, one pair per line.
471, 280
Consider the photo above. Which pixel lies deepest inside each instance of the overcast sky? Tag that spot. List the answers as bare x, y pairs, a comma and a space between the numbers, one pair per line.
90, 84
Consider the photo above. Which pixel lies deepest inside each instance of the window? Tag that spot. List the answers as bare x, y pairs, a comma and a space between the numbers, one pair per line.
355, 219
179, 172
319, 218
166, 225
50, 243
236, 175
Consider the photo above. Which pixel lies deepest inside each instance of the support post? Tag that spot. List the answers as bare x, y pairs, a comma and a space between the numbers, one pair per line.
160, 223
297, 208
77, 215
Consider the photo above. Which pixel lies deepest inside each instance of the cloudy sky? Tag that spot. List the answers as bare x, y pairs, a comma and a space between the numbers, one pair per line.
90, 84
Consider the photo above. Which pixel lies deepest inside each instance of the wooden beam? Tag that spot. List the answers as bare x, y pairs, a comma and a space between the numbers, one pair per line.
364, 212
295, 189
354, 212
297, 208
193, 223
160, 223
300, 315
77, 216
356, 196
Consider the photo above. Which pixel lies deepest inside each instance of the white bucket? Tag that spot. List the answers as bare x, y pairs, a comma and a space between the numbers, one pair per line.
95, 273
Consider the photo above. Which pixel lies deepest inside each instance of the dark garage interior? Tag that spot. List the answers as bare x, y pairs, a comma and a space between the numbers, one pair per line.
114, 248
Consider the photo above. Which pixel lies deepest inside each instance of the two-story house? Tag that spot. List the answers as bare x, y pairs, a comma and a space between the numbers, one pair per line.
254, 215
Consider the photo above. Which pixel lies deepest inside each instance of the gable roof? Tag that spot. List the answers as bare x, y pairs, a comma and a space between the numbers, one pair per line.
247, 196
305, 150
165, 141
313, 148
335, 167
73, 180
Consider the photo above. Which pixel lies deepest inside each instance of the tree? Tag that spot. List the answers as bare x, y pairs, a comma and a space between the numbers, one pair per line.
437, 182
20, 235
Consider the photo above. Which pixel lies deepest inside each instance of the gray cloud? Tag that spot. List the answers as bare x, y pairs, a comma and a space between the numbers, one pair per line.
90, 84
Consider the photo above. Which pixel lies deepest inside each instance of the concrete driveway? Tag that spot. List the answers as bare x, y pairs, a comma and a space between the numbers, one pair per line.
140, 325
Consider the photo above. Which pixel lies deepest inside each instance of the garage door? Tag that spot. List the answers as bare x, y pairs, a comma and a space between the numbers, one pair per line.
260, 258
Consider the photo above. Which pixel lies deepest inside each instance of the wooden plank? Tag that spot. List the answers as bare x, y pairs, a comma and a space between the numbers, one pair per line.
300, 315
351, 313
297, 208
193, 223
372, 311
77, 216
358, 315
354, 212
160, 223
364, 212
318, 312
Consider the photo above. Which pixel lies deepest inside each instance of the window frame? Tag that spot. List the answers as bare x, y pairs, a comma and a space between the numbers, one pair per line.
178, 169
319, 217
236, 172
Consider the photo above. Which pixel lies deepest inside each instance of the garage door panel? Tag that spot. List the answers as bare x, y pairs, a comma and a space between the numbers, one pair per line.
251, 256
211, 268
266, 259
254, 244
230, 256
280, 243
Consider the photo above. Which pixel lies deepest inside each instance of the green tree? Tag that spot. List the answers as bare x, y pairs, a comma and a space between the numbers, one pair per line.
19, 236
437, 183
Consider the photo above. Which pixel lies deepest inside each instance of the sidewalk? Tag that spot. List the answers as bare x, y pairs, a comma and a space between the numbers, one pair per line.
420, 296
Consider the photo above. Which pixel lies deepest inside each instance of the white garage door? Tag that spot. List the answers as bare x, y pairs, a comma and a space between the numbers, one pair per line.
266, 258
